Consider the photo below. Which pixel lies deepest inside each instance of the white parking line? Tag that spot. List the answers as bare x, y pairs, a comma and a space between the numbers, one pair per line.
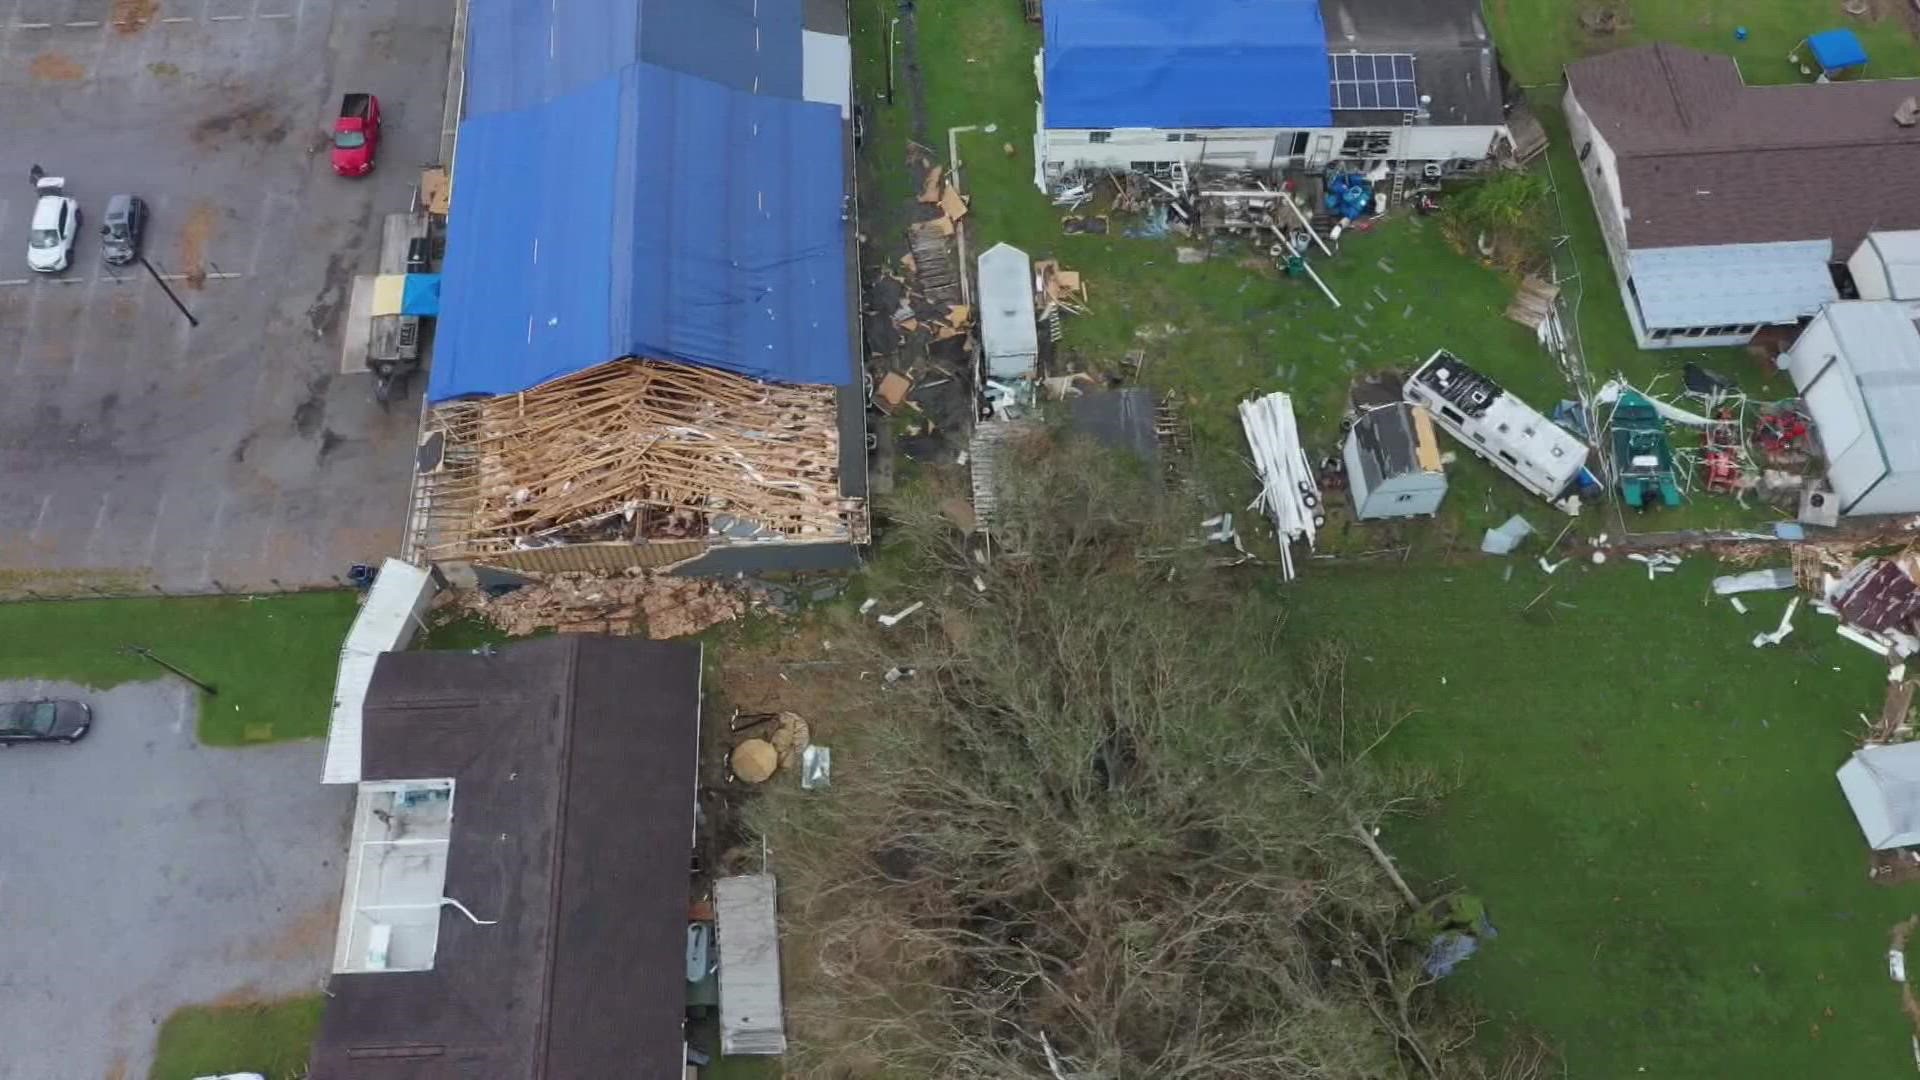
33, 26
225, 18
213, 538
274, 15
84, 24
16, 281
39, 519
176, 18
99, 520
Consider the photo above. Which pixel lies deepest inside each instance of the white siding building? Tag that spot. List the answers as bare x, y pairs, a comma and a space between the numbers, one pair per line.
1716, 199
1266, 84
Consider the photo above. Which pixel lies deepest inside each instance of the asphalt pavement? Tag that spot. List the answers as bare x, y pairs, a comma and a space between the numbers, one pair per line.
139, 451
142, 872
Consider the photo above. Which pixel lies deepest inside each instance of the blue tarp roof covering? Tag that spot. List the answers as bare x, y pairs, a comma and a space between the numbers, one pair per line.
1186, 64
607, 206
420, 295
1834, 50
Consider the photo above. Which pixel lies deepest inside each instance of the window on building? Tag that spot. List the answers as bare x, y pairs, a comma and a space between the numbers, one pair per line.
1451, 415
1174, 136
1509, 459
1403, 498
1099, 136
1299, 143
1585, 149
1367, 144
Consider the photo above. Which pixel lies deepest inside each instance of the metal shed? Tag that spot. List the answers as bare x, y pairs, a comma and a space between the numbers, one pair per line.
1009, 334
1857, 366
1882, 784
1393, 463
1886, 266
747, 932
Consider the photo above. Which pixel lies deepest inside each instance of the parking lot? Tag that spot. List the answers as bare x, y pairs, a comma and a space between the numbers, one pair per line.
137, 450
208, 875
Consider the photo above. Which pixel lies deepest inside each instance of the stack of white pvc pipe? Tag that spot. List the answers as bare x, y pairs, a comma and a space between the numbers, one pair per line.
1288, 493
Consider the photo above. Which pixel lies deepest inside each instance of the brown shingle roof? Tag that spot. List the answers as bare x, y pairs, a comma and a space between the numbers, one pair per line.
1705, 159
573, 764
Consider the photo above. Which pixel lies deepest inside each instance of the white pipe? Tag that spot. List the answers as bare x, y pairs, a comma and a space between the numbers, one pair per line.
462, 909
1316, 280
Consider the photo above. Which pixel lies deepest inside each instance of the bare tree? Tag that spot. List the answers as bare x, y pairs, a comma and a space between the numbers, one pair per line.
1120, 824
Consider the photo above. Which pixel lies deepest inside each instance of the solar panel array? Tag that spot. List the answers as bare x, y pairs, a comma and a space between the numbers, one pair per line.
1373, 81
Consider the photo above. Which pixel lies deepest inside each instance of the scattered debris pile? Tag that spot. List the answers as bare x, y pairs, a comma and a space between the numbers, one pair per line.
634, 451
637, 601
1288, 491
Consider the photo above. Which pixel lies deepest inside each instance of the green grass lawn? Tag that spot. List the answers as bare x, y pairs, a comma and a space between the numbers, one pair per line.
271, 1039
272, 658
1537, 38
1647, 803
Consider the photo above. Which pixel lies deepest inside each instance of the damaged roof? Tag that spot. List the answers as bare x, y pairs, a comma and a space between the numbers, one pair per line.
1390, 438
1705, 159
1455, 64
573, 764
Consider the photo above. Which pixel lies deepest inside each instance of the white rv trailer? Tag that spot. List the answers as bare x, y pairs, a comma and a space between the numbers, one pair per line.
1537, 453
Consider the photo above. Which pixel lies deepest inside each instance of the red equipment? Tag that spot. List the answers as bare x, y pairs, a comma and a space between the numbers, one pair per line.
1781, 431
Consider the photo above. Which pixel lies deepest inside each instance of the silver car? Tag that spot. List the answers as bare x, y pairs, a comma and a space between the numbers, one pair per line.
121, 228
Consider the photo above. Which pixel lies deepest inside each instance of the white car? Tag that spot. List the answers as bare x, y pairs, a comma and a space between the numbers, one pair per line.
56, 225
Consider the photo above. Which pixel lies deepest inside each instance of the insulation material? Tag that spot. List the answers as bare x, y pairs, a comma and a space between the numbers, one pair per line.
637, 451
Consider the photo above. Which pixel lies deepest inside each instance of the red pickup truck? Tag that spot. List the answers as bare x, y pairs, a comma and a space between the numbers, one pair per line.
356, 135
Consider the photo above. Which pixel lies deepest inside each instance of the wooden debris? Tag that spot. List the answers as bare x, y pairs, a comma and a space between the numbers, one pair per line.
952, 204
633, 451
931, 187
620, 604
892, 391
1533, 302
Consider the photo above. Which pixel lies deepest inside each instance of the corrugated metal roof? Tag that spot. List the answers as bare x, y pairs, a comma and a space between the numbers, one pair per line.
1008, 331
747, 932
1733, 284
1880, 350
386, 622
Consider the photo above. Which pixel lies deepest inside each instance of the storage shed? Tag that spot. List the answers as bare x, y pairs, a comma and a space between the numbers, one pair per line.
1882, 784
747, 930
1886, 266
1393, 463
1857, 366
1009, 334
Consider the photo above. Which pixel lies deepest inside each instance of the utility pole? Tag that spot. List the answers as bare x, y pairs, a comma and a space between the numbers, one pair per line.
168, 289
142, 651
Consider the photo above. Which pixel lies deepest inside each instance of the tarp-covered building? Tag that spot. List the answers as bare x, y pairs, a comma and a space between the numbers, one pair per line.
1857, 367
1265, 84
1717, 200
665, 182
646, 179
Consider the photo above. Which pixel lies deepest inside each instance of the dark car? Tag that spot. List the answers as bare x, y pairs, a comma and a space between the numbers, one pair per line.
43, 721
125, 220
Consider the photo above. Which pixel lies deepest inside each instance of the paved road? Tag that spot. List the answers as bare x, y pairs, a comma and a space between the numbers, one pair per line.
140, 871
136, 450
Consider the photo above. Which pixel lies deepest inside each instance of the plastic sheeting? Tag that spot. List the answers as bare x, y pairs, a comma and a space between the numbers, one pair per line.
1191, 64
1835, 50
530, 52
649, 213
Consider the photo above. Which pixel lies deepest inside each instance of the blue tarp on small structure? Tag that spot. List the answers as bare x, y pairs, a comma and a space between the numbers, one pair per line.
1186, 64
608, 206
420, 295
1837, 50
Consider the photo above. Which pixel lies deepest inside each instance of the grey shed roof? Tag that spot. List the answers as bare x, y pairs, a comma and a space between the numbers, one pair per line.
1119, 419
1454, 59
1880, 348
1008, 330
1387, 441
573, 764
1898, 254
